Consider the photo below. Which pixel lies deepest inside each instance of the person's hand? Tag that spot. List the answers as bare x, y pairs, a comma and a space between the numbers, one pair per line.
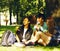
23, 40
27, 42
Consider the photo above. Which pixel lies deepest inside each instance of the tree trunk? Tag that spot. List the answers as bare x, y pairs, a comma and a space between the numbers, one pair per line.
17, 18
0, 19
10, 11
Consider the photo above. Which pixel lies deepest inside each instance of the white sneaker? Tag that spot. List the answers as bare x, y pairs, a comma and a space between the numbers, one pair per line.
19, 44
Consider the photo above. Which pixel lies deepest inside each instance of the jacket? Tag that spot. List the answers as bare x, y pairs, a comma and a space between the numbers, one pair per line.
28, 33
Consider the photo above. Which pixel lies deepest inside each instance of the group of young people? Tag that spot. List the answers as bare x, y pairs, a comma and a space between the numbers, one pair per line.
42, 32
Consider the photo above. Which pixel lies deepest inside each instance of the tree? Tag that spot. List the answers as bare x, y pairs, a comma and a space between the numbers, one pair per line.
51, 5
16, 9
20, 8
27, 7
10, 5
7, 4
3, 7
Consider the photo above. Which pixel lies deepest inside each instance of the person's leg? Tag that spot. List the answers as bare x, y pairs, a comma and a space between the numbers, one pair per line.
48, 34
34, 38
40, 35
46, 39
40, 41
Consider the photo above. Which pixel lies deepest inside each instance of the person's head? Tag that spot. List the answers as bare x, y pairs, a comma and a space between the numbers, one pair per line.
26, 21
50, 21
40, 19
51, 24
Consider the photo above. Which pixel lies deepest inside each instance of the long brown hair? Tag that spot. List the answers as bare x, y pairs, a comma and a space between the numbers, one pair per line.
50, 24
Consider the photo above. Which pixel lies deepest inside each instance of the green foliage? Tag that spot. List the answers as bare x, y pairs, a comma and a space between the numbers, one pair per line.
21, 8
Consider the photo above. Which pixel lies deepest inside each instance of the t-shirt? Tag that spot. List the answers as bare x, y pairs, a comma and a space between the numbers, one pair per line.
24, 33
43, 28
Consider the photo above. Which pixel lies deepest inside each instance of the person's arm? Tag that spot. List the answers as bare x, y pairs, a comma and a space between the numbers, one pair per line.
48, 34
18, 40
17, 34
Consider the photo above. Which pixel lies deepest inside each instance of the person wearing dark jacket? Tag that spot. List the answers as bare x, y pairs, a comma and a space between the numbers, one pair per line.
24, 32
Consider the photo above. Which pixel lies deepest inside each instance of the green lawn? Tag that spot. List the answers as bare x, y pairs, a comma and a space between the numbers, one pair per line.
4, 28
35, 48
31, 48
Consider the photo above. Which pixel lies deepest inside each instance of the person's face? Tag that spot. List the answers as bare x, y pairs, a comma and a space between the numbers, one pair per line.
47, 21
41, 20
38, 19
26, 21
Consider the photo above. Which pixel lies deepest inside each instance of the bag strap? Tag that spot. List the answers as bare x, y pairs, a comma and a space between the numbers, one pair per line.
3, 36
7, 36
8, 31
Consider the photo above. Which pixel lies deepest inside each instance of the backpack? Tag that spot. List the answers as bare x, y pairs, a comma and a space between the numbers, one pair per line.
8, 38
56, 38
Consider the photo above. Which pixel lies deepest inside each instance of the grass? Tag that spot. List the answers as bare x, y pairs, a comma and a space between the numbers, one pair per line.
28, 48
4, 28
35, 48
